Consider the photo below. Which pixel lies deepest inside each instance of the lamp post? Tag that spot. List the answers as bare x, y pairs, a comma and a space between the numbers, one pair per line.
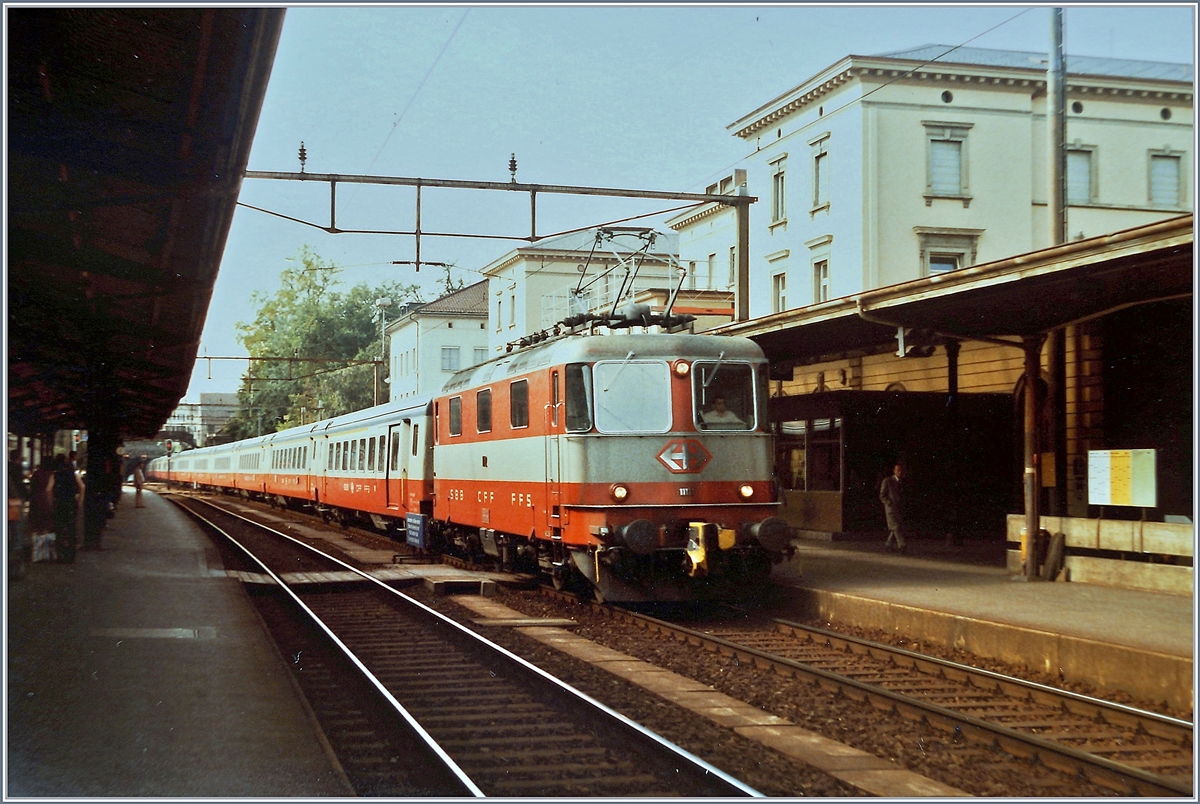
381, 305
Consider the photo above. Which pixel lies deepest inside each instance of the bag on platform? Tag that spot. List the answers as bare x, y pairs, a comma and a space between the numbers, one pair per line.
43, 547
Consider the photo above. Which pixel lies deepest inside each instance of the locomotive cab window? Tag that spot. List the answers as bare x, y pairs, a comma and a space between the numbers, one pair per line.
456, 416
579, 398
632, 396
723, 395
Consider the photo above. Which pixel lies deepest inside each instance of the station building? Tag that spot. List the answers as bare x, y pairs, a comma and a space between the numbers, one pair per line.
899, 177
429, 342
883, 169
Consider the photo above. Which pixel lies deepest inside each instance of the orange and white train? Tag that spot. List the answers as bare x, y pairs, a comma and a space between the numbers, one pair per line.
638, 465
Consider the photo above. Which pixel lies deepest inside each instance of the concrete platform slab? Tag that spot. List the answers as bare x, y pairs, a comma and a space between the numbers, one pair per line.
1127, 640
138, 671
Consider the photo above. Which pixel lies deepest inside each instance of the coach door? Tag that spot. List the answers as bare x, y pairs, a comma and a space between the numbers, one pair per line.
396, 471
554, 421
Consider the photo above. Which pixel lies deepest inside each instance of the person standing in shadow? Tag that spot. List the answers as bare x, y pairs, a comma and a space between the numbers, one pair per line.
65, 490
890, 495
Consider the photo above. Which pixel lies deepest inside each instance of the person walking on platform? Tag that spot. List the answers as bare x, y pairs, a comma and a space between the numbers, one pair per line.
64, 491
41, 507
890, 496
139, 480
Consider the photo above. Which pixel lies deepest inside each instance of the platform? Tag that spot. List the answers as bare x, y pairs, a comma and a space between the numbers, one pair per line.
143, 671
963, 596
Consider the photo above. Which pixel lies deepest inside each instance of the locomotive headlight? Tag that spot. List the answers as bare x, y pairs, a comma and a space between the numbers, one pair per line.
745, 491
682, 367
619, 492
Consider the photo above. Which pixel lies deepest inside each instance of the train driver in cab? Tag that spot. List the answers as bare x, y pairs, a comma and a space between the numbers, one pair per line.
719, 417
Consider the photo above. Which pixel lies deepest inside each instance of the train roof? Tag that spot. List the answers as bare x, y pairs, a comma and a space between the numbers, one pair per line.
583, 348
405, 409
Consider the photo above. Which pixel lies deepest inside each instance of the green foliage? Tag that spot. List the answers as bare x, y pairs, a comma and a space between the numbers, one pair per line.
310, 318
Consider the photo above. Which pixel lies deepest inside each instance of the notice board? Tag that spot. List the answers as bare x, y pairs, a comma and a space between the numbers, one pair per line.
1122, 477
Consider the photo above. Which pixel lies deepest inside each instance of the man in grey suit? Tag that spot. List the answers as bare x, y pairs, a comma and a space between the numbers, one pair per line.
889, 495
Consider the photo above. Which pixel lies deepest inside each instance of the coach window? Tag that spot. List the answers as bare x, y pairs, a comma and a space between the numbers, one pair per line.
353, 455
579, 394
483, 411
362, 454
723, 395
632, 396
371, 455
416, 435
395, 451
518, 404
382, 451
456, 415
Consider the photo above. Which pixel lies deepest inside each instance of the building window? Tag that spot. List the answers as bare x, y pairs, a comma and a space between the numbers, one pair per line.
943, 263
499, 314
512, 310
1080, 189
480, 354
1165, 180
711, 282
449, 358
779, 190
779, 292
820, 178
691, 275
944, 249
821, 281
732, 267
946, 161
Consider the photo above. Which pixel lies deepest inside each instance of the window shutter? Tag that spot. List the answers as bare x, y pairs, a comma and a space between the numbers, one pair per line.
1079, 177
945, 167
1164, 181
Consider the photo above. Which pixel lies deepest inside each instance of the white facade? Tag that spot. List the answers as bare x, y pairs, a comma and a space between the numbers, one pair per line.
885, 169
533, 287
430, 342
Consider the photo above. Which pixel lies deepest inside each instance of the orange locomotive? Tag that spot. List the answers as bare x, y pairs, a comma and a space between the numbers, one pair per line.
636, 465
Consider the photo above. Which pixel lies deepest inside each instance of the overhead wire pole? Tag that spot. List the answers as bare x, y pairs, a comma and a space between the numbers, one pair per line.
740, 202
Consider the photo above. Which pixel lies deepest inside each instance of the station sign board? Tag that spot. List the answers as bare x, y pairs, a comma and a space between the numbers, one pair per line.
415, 532
1122, 477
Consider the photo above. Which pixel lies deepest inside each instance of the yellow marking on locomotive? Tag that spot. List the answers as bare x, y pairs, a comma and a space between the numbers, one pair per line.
705, 536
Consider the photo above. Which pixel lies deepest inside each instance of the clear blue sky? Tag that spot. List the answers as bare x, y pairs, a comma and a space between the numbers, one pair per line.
631, 97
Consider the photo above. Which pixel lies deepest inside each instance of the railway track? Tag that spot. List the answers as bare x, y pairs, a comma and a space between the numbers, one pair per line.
429, 693
1128, 750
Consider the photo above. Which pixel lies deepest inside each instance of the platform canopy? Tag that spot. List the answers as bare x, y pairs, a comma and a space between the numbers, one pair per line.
129, 130
1026, 295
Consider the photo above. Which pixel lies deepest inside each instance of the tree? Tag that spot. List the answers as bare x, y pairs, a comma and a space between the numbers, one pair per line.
309, 319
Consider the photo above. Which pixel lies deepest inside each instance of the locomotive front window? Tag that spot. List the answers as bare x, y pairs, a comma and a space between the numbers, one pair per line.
579, 398
723, 395
632, 396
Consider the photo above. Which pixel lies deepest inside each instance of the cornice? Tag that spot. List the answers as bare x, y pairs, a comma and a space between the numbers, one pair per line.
695, 215
1033, 79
